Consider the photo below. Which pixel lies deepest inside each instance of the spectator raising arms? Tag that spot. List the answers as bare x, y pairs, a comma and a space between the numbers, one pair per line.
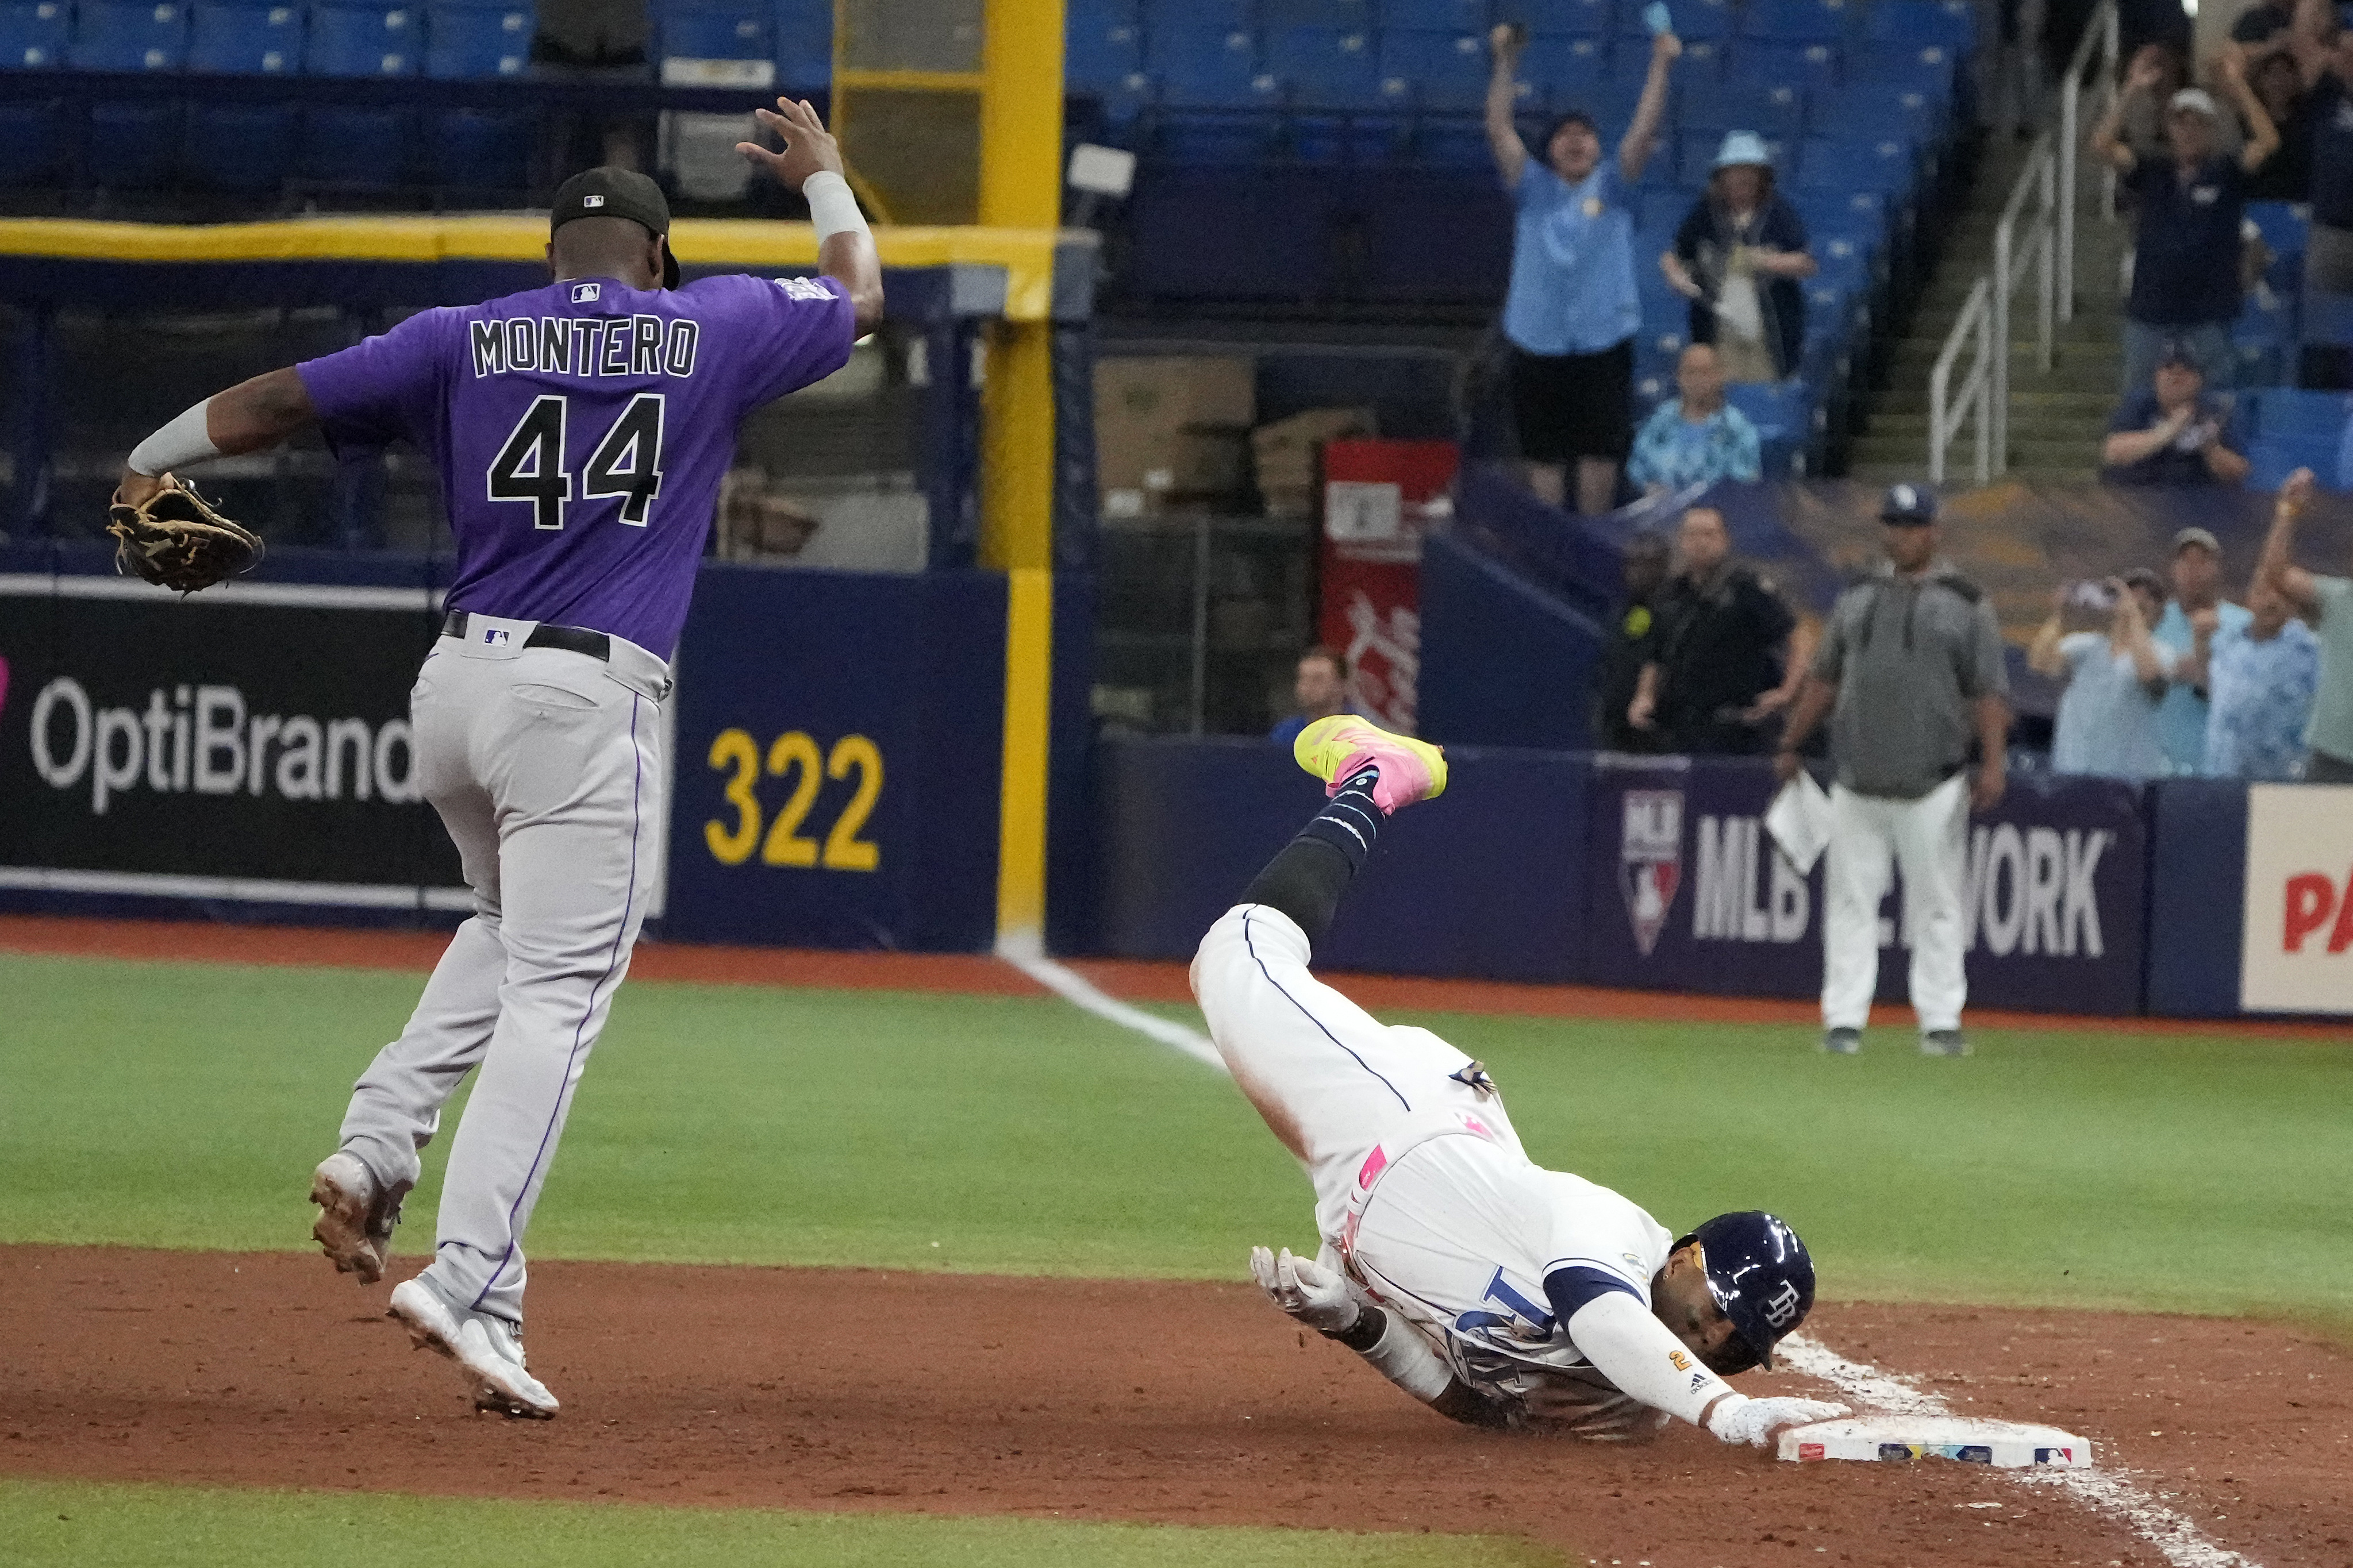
1572, 312
2324, 51
1738, 258
1695, 437
2185, 286
2196, 610
2327, 603
2286, 175
2108, 714
2169, 432
2259, 679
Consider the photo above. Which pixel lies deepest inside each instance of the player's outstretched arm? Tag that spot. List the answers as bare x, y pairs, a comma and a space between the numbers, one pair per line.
1629, 1345
250, 416
811, 164
1320, 1298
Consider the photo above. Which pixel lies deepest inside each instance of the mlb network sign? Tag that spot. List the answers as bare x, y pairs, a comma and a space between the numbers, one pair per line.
2051, 908
2298, 952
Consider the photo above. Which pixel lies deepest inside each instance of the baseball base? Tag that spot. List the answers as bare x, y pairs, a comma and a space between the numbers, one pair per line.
2005, 1444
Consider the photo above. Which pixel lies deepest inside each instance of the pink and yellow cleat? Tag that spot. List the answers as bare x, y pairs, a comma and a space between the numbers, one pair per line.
1332, 749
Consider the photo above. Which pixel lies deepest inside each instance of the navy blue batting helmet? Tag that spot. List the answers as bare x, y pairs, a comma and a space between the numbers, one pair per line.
1908, 504
1760, 1275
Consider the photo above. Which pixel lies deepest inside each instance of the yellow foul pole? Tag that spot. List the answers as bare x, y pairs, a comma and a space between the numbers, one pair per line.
1021, 187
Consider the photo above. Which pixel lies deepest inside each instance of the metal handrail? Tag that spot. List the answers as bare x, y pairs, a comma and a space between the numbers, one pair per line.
2039, 179
2096, 52
1976, 399
2046, 248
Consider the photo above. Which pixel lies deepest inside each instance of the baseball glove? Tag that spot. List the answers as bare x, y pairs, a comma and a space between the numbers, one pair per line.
175, 540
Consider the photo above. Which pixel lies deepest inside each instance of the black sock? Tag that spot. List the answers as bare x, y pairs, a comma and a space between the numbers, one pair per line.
1306, 879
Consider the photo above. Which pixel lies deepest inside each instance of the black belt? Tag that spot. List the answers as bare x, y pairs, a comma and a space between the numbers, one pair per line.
571, 639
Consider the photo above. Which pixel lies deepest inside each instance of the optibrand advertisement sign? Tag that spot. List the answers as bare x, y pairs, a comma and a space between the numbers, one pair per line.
249, 742
1686, 892
2298, 955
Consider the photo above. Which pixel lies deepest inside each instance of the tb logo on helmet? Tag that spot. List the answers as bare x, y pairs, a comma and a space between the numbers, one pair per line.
1781, 1308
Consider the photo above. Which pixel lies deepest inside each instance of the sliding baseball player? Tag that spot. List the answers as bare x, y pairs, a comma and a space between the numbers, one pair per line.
1496, 1292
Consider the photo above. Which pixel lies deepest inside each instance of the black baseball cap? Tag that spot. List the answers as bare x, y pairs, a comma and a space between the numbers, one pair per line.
609, 192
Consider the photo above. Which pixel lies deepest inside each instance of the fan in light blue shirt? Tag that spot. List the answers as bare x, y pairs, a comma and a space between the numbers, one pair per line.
2108, 723
2196, 584
2260, 681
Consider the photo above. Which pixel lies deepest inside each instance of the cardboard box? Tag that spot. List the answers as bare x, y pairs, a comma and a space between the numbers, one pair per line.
1173, 425
1283, 454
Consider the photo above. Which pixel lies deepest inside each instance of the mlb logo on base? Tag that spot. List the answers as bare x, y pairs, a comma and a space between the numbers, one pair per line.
1651, 857
2298, 955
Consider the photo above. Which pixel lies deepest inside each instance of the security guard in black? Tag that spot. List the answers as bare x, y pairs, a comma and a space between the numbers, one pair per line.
1720, 643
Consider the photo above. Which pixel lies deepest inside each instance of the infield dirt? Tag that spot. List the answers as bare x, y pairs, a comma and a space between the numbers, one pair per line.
1178, 1402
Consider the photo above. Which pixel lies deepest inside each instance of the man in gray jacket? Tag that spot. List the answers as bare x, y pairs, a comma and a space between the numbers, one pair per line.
1910, 670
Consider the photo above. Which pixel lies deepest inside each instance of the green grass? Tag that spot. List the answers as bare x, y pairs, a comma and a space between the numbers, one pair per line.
92, 1526
182, 1105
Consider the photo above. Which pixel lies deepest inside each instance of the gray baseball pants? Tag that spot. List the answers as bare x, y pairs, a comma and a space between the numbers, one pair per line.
545, 765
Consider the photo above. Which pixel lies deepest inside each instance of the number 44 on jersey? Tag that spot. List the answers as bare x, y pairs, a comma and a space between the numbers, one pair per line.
533, 465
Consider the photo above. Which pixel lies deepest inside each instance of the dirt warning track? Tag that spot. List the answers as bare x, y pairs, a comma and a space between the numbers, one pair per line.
1180, 1402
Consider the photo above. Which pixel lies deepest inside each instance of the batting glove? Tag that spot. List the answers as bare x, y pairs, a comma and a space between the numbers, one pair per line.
1739, 1419
1311, 1293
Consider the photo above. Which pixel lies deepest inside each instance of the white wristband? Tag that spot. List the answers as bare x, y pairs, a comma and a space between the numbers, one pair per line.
183, 441
832, 208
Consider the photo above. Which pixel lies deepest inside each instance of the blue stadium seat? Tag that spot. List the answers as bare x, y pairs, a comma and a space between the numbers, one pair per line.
1451, 144
32, 141
364, 148
2286, 231
2274, 457
1878, 112
1927, 68
468, 42
247, 148
2289, 411
1355, 139
1437, 70
245, 40
1432, 236
1547, 18
132, 146
1799, 21
1446, 16
739, 31
1835, 210
1776, 111
1325, 68
1825, 163
1564, 68
1227, 232
804, 32
1200, 16
1693, 19
1100, 14
33, 37
481, 149
1204, 69
116, 36
351, 40
1344, 15
1951, 24
2262, 340
1099, 57
1765, 62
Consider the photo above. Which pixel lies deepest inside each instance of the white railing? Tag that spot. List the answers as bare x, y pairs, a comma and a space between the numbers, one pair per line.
1976, 398
2036, 234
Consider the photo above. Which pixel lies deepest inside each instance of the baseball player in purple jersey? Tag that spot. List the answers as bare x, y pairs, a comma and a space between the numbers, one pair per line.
581, 430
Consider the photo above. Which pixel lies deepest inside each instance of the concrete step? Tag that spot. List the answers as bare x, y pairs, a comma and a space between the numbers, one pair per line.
2043, 426
2081, 453
2027, 402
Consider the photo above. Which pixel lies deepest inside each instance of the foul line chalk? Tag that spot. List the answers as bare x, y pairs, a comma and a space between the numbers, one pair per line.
1029, 957
2103, 1491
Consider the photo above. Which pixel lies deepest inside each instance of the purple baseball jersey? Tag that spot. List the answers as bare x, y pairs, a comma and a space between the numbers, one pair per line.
582, 431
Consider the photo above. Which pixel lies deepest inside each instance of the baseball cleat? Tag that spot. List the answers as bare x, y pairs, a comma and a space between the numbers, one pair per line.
1943, 1043
487, 1350
350, 1231
1334, 748
1842, 1042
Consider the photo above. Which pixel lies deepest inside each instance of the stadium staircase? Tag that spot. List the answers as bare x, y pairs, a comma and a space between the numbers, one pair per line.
2058, 414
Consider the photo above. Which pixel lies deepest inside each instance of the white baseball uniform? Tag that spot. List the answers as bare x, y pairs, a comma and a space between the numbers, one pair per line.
1423, 1194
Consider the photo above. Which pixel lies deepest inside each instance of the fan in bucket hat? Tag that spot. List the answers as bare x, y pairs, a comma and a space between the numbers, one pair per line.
1743, 149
